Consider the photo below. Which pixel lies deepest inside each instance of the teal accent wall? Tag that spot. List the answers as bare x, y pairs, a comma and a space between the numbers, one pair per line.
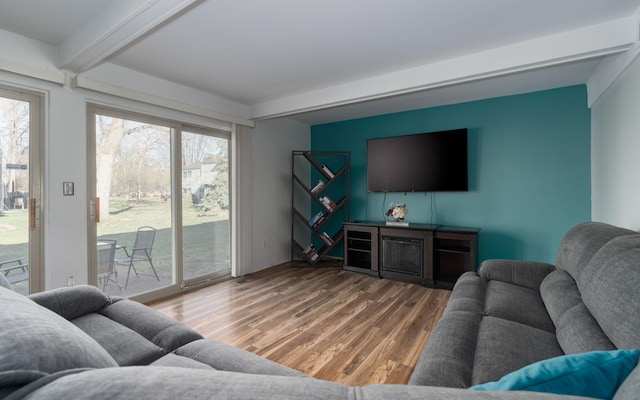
529, 169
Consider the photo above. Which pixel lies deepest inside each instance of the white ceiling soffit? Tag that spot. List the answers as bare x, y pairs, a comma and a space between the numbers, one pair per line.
567, 74
113, 28
592, 42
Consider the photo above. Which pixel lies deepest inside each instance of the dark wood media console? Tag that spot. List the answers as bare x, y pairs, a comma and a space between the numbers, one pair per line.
430, 255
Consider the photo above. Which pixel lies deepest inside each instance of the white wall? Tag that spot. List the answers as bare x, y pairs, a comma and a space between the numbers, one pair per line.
615, 152
65, 217
272, 143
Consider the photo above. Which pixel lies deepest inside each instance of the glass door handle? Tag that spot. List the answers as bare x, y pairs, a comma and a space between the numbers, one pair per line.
33, 217
94, 210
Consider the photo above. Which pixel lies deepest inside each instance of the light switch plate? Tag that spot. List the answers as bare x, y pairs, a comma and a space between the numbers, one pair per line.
67, 188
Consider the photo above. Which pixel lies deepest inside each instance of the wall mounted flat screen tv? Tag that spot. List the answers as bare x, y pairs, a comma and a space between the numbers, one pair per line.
425, 162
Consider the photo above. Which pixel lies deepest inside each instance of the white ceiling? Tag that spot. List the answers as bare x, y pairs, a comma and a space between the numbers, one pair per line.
330, 60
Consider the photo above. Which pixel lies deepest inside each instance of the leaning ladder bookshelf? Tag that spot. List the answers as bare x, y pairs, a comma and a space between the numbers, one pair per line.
320, 184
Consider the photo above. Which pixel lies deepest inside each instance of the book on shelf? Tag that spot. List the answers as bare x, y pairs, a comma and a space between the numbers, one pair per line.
327, 239
318, 222
310, 251
328, 203
316, 219
318, 186
328, 171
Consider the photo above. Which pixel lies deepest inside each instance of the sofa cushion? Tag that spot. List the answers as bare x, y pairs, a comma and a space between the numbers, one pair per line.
581, 243
447, 358
579, 332
488, 329
72, 303
559, 293
126, 346
576, 329
595, 374
165, 383
181, 383
505, 346
408, 392
469, 295
157, 328
228, 358
51, 342
517, 303
609, 287
174, 360
518, 272
130, 332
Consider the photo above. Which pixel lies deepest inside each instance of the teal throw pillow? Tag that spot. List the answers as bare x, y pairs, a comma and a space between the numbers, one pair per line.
594, 374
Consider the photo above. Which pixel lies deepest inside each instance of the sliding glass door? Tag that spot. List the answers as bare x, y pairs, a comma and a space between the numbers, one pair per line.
133, 191
205, 205
160, 203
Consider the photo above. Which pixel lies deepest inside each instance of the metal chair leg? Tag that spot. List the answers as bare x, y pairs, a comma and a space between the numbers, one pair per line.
154, 270
126, 283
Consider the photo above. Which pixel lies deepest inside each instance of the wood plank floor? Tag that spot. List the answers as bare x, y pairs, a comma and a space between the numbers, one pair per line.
327, 323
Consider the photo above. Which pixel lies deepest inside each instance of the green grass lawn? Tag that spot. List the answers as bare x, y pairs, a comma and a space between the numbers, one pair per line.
14, 234
206, 238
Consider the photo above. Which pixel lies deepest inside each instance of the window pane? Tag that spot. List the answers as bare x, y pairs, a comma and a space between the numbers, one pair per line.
205, 205
133, 182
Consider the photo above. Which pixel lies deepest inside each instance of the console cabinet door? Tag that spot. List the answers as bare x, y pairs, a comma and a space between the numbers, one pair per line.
454, 253
422, 237
361, 249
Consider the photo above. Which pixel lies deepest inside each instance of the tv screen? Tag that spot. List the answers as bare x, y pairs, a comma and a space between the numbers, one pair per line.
425, 162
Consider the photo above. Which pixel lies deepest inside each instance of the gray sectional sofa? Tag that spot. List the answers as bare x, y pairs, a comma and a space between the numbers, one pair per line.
513, 313
77, 343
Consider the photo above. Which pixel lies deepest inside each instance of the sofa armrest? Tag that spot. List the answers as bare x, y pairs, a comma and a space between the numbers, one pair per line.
523, 273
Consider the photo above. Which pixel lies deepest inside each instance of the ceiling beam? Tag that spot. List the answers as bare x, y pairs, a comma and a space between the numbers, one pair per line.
585, 43
45, 74
114, 28
612, 67
131, 94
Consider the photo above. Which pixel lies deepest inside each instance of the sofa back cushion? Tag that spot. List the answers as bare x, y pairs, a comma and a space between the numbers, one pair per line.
594, 292
36, 342
580, 244
609, 287
132, 333
577, 330
126, 346
160, 330
71, 303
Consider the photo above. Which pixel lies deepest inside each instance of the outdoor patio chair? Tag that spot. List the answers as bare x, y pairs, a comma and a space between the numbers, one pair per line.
4, 282
15, 270
141, 251
106, 259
